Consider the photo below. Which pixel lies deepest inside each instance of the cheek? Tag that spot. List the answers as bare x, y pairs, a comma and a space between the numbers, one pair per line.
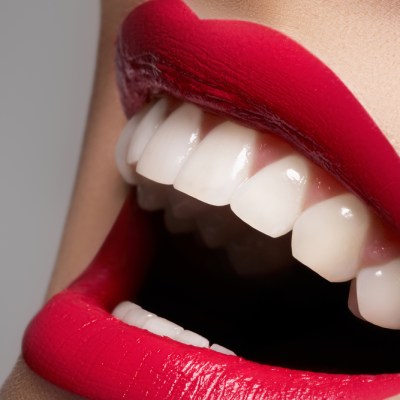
359, 42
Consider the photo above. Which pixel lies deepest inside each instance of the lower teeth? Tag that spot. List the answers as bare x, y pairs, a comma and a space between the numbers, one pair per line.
134, 315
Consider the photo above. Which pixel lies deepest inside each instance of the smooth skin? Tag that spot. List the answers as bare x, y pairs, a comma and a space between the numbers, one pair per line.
359, 40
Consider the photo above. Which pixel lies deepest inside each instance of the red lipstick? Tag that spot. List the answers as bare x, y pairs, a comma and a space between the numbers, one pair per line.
76, 344
260, 77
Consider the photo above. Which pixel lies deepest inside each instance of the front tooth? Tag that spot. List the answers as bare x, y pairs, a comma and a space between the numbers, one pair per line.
272, 199
169, 148
146, 129
329, 236
378, 294
218, 165
121, 149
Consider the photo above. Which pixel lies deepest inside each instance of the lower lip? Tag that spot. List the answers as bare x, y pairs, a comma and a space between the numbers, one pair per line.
76, 344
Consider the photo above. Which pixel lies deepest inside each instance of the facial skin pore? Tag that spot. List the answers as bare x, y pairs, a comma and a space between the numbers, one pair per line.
358, 40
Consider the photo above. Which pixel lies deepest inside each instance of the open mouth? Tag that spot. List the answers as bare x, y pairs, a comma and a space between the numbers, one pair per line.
237, 204
238, 219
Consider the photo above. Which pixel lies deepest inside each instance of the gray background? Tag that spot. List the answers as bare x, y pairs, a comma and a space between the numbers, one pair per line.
47, 55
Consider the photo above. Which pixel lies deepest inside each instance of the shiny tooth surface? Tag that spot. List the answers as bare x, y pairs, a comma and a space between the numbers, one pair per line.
152, 196
378, 294
146, 129
189, 337
171, 145
121, 149
272, 199
329, 236
222, 349
219, 164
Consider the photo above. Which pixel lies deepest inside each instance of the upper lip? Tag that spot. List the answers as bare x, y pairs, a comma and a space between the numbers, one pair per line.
264, 79
275, 85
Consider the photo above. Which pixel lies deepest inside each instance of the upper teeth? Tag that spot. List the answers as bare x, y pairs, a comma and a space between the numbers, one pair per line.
269, 186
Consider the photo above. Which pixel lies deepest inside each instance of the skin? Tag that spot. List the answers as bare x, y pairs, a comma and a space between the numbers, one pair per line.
358, 40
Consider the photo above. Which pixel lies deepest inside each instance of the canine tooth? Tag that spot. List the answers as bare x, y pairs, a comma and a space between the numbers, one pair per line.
222, 349
152, 196
171, 145
271, 200
189, 337
329, 236
146, 129
378, 294
121, 149
162, 327
218, 165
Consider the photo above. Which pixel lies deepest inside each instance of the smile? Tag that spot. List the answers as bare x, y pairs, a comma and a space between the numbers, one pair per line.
247, 171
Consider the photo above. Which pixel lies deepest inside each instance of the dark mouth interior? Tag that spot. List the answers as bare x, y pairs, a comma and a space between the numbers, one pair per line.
292, 319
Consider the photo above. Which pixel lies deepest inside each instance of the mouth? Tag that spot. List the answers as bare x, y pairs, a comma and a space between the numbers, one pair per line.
241, 196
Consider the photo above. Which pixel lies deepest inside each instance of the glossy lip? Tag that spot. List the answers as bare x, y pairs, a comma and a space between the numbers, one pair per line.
75, 343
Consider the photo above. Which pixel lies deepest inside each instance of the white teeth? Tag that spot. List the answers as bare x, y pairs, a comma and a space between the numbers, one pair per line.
378, 294
335, 237
146, 129
134, 315
222, 349
169, 148
272, 199
189, 337
218, 165
328, 237
162, 327
122, 309
121, 149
